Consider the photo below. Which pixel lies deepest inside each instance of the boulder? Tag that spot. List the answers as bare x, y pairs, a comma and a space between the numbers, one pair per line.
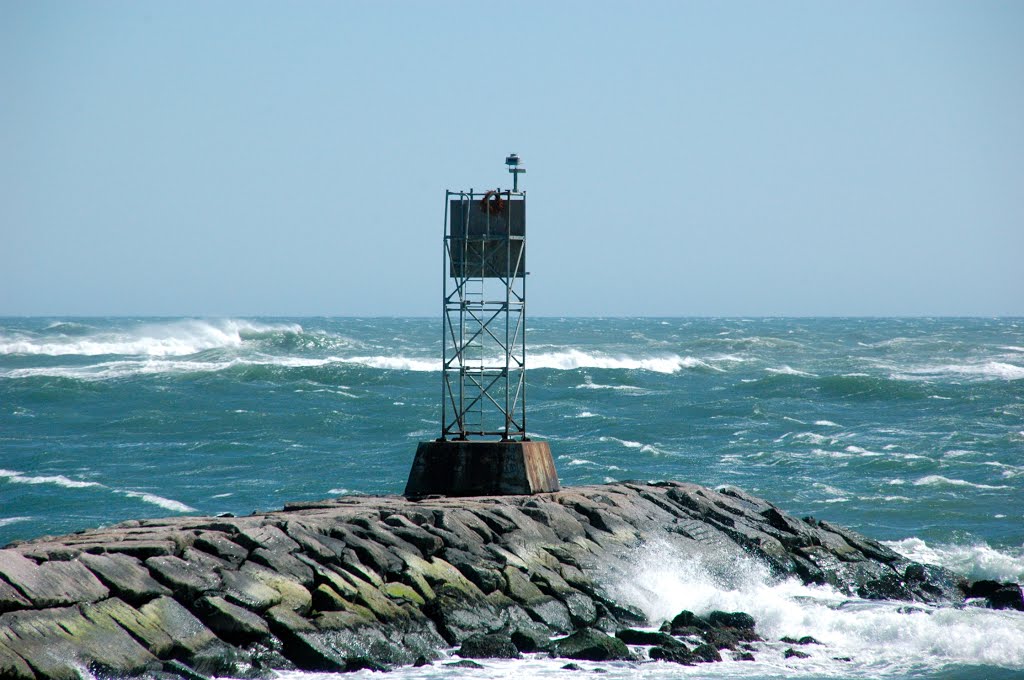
738, 620
591, 645
531, 637
57, 641
126, 577
631, 636
11, 599
186, 580
229, 621
706, 653
50, 584
146, 629
687, 623
674, 654
489, 646
997, 595
219, 544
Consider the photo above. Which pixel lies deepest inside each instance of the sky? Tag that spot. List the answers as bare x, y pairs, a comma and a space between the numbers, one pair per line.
683, 158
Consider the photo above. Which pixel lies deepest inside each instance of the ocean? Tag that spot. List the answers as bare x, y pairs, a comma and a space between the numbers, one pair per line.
910, 431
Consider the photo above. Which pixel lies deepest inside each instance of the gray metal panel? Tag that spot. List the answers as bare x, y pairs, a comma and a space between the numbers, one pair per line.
486, 241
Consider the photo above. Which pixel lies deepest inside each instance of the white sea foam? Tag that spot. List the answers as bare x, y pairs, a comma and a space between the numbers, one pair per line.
588, 385
826, 423
813, 438
883, 639
862, 452
59, 480
1006, 471
565, 360
175, 338
975, 561
396, 363
629, 444
990, 370
158, 361
585, 414
4, 521
939, 480
165, 503
572, 359
789, 370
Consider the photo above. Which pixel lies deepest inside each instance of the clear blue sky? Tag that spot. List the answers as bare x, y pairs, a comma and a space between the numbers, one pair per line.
684, 158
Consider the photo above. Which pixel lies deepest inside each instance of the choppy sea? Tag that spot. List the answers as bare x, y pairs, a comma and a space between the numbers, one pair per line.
910, 431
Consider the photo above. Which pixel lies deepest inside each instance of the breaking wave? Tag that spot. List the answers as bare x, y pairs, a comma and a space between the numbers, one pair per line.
939, 480
572, 359
62, 481
174, 338
860, 638
975, 561
990, 370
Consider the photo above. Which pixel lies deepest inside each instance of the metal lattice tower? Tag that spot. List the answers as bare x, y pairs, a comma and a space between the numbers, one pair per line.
484, 310
483, 381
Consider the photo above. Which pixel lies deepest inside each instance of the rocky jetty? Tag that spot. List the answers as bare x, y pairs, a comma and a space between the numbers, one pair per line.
375, 582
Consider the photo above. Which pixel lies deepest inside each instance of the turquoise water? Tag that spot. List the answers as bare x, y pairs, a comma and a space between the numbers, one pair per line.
909, 430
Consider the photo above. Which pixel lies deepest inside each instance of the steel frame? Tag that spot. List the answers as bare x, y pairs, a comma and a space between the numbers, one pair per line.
483, 386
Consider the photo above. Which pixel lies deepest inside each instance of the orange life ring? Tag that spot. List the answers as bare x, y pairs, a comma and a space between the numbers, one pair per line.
492, 203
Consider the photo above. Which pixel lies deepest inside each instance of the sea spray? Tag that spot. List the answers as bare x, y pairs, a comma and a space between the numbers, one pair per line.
859, 638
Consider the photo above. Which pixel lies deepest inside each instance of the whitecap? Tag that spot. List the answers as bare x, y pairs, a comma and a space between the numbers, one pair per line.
396, 363
59, 480
826, 423
991, 370
862, 452
173, 338
623, 388
572, 359
975, 561
165, 503
4, 521
814, 438
939, 480
789, 370
625, 442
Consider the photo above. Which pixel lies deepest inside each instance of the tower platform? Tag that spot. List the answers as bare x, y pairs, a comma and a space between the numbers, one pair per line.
481, 468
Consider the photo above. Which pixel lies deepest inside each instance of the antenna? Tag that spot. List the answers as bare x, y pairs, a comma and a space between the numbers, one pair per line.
512, 161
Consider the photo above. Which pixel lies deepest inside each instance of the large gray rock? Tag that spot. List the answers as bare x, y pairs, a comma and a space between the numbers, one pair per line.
126, 577
11, 599
55, 641
187, 580
491, 646
148, 630
591, 645
231, 622
50, 584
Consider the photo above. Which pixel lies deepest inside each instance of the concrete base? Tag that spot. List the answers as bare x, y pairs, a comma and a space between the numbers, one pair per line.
481, 468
